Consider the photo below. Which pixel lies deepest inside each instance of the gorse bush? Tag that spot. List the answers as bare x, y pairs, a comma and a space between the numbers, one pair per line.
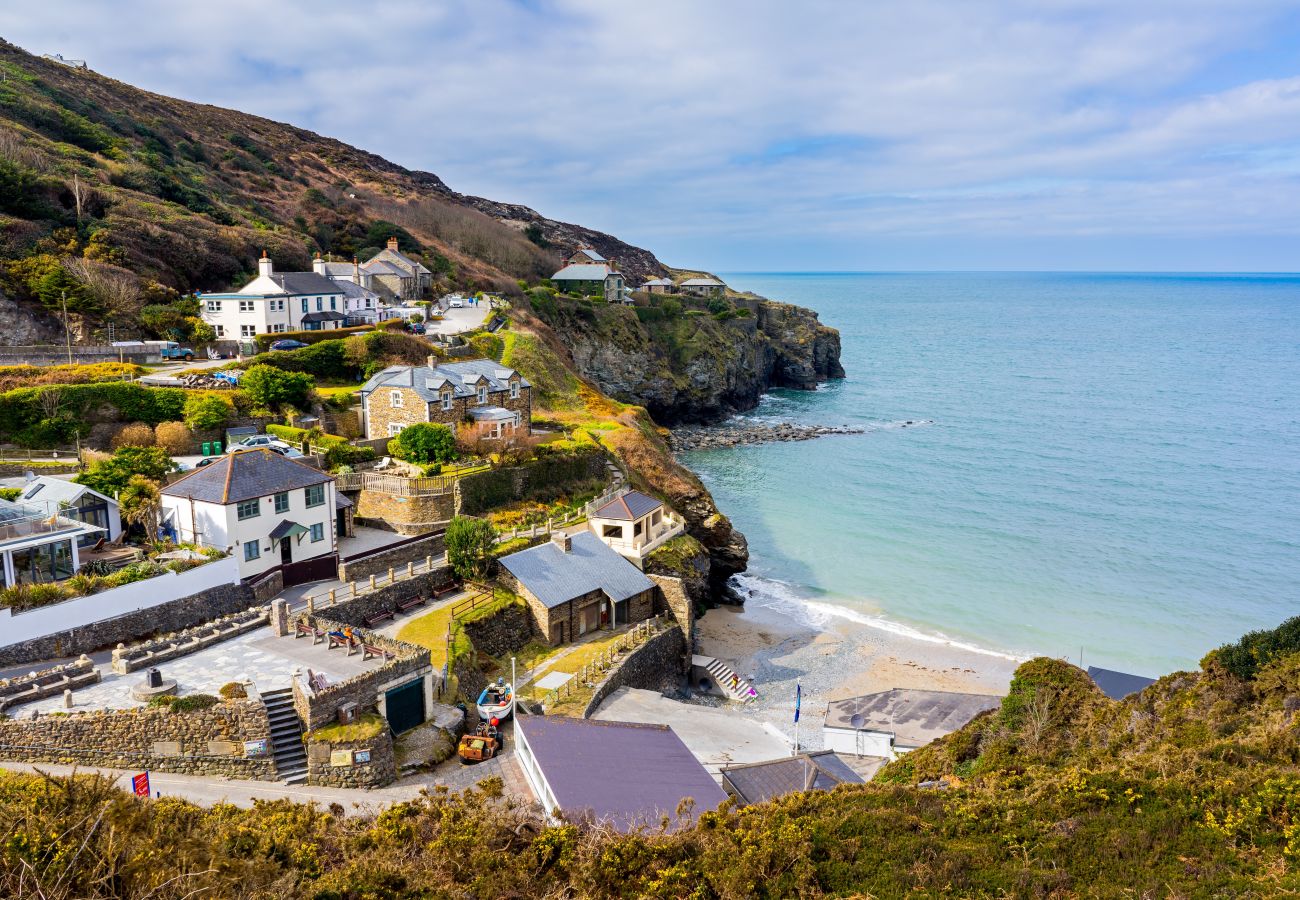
206, 411
1259, 648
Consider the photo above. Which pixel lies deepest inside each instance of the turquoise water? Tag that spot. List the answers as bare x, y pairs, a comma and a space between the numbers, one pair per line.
1113, 466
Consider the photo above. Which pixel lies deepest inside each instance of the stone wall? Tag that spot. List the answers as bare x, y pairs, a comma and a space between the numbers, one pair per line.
470, 679
19, 469
174, 615
655, 665
47, 682
199, 742
269, 586
355, 610
395, 557
191, 640
405, 515
676, 600
380, 770
546, 477
502, 633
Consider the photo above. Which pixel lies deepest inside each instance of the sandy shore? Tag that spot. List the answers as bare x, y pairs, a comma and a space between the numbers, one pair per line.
839, 659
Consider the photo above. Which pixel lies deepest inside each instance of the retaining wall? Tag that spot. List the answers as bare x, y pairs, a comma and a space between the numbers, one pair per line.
381, 768
354, 611
396, 557
505, 632
655, 665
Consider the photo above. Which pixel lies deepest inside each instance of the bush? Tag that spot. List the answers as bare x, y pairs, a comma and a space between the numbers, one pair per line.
111, 475
1257, 649
204, 412
80, 404
10, 493
469, 543
136, 434
233, 690
264, 341
192, 702
271, 388
325, 359
175, 437
425, 442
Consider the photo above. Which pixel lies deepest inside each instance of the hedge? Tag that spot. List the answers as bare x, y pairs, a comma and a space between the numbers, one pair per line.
296, 436
264, 341
324, 359
21, 410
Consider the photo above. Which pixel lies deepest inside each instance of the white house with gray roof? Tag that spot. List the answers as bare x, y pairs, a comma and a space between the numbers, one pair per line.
361, 302
702, 287
477, 393
268, 511
75, 501
575, 584
890, 723
276, 302
634, 525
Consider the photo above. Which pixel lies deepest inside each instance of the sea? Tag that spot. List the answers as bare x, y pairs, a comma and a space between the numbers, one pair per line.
1098, 467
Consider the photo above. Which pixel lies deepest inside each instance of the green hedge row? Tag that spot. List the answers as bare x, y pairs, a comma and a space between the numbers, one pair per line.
296, 436
29, 418
543, 477
264, 341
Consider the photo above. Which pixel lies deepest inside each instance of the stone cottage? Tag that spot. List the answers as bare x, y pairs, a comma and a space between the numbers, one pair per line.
478, 393
396, 275
574, 584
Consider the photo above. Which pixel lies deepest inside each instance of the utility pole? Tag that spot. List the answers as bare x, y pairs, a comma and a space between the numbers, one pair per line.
67, 328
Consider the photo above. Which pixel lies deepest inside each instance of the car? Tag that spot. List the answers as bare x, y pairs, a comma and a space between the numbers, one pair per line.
256, 442
287, 344
456, 303
287, 452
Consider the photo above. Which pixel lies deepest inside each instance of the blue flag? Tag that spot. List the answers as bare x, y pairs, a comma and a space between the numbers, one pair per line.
798, 700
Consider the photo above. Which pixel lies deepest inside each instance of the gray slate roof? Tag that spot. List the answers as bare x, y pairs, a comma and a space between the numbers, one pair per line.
555, 577
1118, 685
384, 267
592, 272
914, 717
658, 282
628, 508
461, 376
354, 291
305, 283
757, 782
623, 773
702, 282
52, 491
590, 254
340, 269
245, 475
401, 260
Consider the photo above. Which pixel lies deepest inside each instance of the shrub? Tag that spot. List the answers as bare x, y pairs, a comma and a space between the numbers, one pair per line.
192, 702
136, 434
10, 493
204, 412
233, 690
111, 475
272, 388
1257, 649
325, 359
469, 543
175, 437
425, 442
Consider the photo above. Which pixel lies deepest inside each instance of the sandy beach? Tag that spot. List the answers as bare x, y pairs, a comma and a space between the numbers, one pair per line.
840, 658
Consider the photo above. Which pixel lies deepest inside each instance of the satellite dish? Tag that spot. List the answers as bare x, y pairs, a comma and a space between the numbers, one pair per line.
857, 721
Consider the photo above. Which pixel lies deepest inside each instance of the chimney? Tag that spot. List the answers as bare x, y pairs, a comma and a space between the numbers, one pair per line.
392, 243
563, 540
433, 361
318, 265
356, 271
264, 266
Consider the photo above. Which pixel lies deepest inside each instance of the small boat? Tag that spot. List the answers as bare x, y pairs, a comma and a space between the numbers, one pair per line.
496, 702
482, 744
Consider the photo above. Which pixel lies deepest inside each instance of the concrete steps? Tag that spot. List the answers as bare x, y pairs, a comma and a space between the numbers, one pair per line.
725, 677
287, 748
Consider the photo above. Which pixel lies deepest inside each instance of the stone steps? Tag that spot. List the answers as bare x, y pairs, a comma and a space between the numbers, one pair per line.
723, 676
287, 748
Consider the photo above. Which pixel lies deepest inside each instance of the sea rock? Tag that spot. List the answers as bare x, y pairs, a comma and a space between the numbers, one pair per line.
733, 434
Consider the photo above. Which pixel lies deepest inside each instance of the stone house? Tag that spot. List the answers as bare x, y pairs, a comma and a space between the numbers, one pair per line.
634, 525
591, 279
658, 286
474, 393
584, 256
703, 287
574, 584
397, 275
270, 512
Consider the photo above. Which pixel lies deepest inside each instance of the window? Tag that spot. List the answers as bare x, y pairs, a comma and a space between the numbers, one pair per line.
315, 495
612, 531
221, 330
304, 304
514, 390
247, 330
245, 305
317, 532
482, 394
396, 398
277, 306
446, 399
332, 299
249, 509
214, 306
252, 550
395, 428
282, 502
320, 304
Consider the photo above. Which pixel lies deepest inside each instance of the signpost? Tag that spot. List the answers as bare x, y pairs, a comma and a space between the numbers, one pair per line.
140, 784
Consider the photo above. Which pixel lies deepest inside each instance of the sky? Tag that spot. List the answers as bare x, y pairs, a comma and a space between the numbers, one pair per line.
778, 136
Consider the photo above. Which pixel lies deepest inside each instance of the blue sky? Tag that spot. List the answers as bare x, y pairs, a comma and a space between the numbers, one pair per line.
758, 135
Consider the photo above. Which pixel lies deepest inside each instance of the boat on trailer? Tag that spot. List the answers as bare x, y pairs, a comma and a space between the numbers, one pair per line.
496, 702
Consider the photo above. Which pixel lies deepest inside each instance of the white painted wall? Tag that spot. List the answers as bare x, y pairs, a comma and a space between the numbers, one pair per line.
15, 628
858, 742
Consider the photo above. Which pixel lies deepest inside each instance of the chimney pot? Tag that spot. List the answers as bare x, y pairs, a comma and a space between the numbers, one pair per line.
392, 243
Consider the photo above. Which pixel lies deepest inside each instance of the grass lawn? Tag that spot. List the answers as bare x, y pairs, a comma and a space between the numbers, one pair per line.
429, 630
334, 390
362, 729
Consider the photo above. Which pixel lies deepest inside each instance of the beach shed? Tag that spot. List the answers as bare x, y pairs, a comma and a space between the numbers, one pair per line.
623, 774
893, 722
635, 525
763, 781
1118, 685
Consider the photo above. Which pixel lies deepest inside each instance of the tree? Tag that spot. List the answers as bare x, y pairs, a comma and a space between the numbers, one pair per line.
533, 231
425, 442
111, 476
140, 501
469, 543
206, 411
271, 388
115, 290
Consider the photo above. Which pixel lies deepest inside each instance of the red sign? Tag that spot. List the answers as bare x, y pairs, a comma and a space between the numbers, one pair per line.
140, 783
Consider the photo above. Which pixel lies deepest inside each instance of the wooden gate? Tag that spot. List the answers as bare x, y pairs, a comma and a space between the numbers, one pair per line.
318, 569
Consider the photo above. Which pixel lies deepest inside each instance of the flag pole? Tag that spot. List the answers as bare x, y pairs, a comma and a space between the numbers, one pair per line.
798, 701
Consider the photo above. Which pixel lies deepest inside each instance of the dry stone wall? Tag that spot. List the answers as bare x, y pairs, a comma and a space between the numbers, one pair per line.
506, 631
352, 764
655, 665
354, 611
199, 742
405, 515
394, 558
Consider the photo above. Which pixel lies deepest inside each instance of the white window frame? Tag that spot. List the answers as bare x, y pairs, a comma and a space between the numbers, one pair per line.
396, 398
446, 400
213, 306
482, 394
395, 428
514, 390
247, 331
246, 306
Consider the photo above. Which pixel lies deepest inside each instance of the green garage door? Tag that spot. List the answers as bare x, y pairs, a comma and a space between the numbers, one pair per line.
405, 706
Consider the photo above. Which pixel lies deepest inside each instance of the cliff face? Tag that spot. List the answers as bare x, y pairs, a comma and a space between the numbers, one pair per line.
696, 368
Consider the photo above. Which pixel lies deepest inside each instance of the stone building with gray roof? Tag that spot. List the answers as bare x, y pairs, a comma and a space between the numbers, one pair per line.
575, 584
479, 394
397, 275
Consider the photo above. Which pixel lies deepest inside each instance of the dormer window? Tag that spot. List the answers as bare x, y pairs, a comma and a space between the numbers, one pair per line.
396, 398
446, 400
482, 394
514, 389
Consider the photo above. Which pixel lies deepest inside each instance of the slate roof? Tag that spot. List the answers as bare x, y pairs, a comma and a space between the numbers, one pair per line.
628, 508
622, 773
658, 282
354, 291
592, 272
914, 717
702, 282
490, 414
391, 257
555, 577
590, 254
52, 491
341, 501
1118, 685
339, 269
245, 475
304, 283
384, 267
461, 376
757, 782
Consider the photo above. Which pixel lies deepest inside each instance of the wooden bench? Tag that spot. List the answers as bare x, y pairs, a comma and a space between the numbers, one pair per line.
369, 652
342, 640
304, 630
412, 603
449, 588
382, 615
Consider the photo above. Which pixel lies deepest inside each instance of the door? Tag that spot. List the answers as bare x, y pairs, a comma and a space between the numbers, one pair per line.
286, 551
404, 706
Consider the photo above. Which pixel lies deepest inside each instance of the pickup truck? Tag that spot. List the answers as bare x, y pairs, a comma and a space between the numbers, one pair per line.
173, 350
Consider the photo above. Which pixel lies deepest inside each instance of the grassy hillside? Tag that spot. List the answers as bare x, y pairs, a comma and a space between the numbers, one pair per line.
1190, 789
126, 199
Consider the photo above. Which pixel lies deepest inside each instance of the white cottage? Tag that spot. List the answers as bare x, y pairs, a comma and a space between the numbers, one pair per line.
77, 502
276, 302
635, 525
268, 511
